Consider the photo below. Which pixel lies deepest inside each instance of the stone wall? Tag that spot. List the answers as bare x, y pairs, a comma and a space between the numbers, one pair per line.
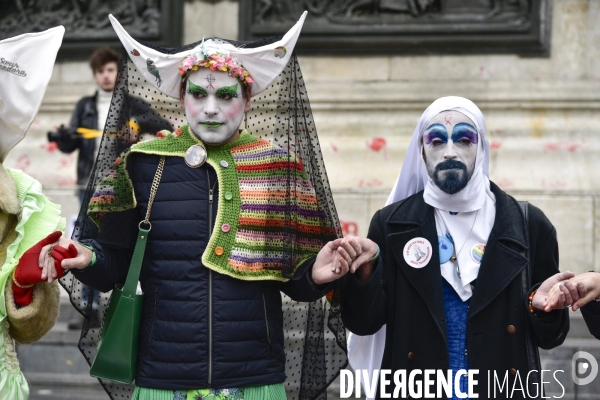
542, 119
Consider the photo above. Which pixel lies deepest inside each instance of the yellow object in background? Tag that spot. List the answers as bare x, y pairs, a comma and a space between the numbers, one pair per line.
94, 133
89, 133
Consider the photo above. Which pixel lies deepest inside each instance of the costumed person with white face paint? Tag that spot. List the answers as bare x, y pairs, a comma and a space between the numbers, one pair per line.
457, 282
236, 220
28, 220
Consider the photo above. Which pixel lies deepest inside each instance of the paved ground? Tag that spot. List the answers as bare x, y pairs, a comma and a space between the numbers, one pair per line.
47, 392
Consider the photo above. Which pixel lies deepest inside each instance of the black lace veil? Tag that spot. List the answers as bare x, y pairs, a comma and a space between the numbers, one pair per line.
315, 341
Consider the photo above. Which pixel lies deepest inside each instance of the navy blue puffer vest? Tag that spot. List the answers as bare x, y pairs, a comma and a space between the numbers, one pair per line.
200, 329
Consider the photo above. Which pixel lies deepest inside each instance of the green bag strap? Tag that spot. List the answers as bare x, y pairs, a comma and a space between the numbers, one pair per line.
130, 287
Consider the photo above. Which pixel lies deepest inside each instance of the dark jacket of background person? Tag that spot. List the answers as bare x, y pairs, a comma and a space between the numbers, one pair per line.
410, 300
591, 315
247, 320
85, 115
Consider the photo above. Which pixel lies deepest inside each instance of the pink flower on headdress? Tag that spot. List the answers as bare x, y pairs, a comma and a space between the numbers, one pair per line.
189, 62
216, 61
219, 62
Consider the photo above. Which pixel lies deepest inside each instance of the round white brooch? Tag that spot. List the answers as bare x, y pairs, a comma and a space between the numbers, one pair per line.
417, 252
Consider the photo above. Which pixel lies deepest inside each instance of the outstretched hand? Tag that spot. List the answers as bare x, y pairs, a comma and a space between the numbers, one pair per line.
326, 266
340, 256
555, 293
28, 273
63, 254
588, 287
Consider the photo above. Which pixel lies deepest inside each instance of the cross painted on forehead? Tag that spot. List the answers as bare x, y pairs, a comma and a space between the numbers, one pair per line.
448, 118
210, 79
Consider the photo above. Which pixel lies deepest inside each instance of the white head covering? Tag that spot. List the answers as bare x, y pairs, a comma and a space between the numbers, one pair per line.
366, 352
26, 63
413, 177
264, 63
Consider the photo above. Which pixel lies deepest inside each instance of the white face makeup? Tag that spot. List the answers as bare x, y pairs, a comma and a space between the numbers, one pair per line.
450, 150
214, 105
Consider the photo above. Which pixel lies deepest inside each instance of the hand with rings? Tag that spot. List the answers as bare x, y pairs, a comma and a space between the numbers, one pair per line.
63, 254
338, 257
582, 289
556, 293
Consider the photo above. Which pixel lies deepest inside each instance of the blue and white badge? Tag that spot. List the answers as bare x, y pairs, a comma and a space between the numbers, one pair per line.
446, 249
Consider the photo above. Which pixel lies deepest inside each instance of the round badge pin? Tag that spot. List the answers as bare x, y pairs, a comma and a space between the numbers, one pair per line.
477, 253
446, 249
195, 156
417, 252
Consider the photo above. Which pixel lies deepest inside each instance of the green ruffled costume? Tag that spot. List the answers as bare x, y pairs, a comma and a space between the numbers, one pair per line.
37, 218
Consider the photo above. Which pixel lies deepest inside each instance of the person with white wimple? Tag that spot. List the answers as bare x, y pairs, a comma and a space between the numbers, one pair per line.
450, 288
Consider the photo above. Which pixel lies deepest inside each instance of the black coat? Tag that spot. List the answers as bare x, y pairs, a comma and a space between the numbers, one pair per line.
591, 315
199, 329
85, 115
410, 300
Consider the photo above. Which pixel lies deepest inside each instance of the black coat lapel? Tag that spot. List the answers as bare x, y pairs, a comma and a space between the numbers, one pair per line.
416, 220
504, 257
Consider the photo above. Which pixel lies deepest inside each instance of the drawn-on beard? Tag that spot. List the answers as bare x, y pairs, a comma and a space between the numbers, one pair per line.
455, 180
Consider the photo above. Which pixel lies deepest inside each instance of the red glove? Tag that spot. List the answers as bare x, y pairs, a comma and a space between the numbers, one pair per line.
59, 253
28, 272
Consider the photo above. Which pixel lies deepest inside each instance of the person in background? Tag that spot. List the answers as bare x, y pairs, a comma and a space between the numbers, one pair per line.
88, 122
90, 114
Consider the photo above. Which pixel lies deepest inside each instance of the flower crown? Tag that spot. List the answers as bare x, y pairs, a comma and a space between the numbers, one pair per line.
216, 60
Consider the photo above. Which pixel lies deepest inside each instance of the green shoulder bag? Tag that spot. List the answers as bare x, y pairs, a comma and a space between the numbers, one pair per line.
117, 350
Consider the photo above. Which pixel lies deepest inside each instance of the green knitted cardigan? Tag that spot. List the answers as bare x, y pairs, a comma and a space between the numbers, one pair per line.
260, 203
